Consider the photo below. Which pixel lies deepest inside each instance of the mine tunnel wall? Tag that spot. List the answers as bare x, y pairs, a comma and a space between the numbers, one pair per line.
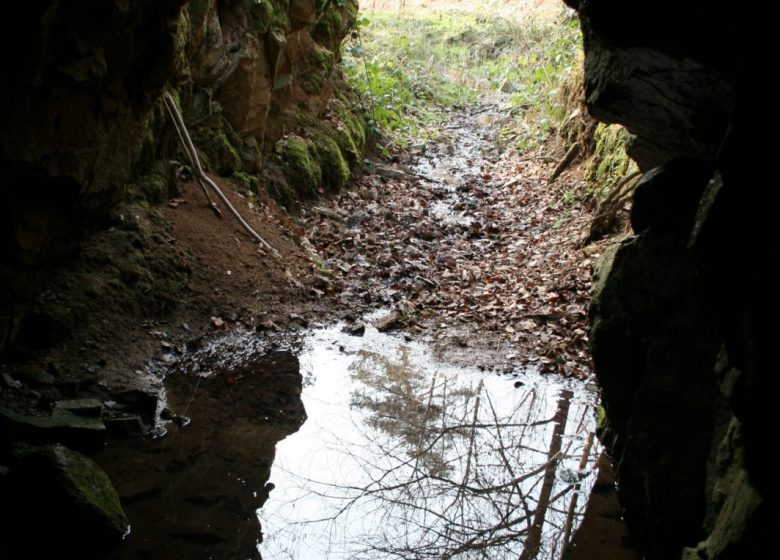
681, 312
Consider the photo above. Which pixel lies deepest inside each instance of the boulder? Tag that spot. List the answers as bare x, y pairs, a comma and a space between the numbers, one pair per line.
61, 504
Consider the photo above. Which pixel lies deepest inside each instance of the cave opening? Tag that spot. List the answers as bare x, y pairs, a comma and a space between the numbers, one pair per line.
455, 175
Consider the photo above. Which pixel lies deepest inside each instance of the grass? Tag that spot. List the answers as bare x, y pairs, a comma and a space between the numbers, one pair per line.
408, 68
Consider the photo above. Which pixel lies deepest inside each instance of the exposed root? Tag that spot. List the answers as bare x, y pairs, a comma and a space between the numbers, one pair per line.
201, 176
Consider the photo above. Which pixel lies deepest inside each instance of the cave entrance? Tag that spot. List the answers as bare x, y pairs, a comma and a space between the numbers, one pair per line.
474, 226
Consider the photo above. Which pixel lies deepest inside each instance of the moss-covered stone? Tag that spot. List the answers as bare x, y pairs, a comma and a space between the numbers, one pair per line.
334, 19
220, 144
64, 502
609, 162
335, 171
319, 67
156, 186
351, 133
246, 182
261, 14
280, 18
301, 170
182, 62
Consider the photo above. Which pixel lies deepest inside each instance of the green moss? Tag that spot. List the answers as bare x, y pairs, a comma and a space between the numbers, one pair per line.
261, 14
321, 58
302, 172
220, 146
319, 67
248, 184
154, 187
351, 133
92, 487
280, 18
325, 29
609, 162
330, 15
603, 430
335, 171
182, 38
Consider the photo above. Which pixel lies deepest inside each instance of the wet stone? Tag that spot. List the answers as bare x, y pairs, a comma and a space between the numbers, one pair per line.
61, 505
80, 407
388, 322
124, 426
79, 432
356, 329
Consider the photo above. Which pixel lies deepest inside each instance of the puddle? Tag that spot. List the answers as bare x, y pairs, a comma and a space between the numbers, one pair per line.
401, 456
194, 492
404, 457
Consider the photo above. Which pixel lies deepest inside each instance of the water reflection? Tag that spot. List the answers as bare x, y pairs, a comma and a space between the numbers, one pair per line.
402, 457
193, 494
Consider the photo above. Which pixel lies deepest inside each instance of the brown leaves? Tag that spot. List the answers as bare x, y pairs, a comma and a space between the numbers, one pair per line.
491, 250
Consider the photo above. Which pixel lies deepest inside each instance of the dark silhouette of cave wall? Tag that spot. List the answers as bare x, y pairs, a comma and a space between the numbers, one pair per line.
78, 80
85, 133
684, 311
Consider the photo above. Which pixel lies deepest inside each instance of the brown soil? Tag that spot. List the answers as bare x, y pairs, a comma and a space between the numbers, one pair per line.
156, 281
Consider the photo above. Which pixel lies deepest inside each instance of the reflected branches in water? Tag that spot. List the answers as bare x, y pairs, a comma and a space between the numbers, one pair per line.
442, 463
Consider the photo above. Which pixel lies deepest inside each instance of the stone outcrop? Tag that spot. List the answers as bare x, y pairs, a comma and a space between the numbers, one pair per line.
58, 502
79, 83
83, 126
85, 154
85, 133
683, 310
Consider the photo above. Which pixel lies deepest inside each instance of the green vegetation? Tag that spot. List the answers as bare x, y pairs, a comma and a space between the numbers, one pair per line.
609, 163
407, 68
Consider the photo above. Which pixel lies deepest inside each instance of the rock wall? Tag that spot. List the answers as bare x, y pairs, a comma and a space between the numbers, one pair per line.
682, 314
85, 133
83, 126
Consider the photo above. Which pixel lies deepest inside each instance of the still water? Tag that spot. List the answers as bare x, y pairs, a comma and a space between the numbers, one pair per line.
406, 457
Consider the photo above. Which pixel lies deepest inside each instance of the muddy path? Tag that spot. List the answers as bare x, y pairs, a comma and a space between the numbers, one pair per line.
467, 240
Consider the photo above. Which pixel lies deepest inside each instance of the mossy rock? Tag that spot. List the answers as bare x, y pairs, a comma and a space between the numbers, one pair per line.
351, 134
246, 182
220, 144
280, 18
158, 184
301, 170
261, 15
62, 504
337, 18
609, 162
335, 171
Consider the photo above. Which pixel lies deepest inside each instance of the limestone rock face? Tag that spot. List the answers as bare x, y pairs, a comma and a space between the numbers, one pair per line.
72, 108
683, 313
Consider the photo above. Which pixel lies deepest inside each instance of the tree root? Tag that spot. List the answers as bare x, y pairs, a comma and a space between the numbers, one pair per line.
607, 211
200, 175
567, 160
